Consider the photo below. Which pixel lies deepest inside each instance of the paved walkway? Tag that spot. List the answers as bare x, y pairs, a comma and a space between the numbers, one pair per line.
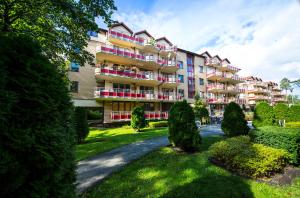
94, 170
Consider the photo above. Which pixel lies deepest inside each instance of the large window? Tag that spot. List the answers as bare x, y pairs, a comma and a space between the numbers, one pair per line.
181, 78
201, 81
181, 92
74, 67
121, 87
180, 64
74, 87
146, 90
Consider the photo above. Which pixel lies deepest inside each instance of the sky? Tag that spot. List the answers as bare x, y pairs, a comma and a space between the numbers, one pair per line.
261, 37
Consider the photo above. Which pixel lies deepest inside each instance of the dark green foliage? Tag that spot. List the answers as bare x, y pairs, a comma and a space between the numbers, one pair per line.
94, 115
81, 124
36, 136
295, 113
255, 160
138, 120
282, 112
60, 26
158, 124
234, 122
183, 131
278, 137
263, 115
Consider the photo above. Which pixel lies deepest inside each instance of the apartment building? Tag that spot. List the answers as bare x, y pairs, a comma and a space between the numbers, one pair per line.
135, 69
222, 84
256, 90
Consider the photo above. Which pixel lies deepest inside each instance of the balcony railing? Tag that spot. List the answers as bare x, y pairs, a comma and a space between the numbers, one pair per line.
149, 115
120, 52
258, 97
215, 86
126, 37
230, 67
212, 62
259, 90
134, 95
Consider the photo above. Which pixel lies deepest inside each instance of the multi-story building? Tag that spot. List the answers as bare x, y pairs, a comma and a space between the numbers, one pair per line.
222, 84
135, 69
257, 91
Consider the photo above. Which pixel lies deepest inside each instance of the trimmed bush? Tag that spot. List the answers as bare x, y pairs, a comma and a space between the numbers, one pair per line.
238, 154
81, 124
36, 139
278, 137
138, 120
282, 112
292, 125
158, 124
183, 131
94, 115
263, 115
295, 113
234, 122
201, 113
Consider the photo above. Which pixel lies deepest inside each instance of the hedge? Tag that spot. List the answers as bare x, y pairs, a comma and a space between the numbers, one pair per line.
295, 113
263, 115
158, 124
292, 125
278, 137
239, 155
81, 124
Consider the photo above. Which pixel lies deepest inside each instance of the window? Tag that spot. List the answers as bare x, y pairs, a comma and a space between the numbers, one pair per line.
148, 106
180, 64
181, 92
92, 33
201, 81
201, 69
121, 87
74, 86
181, 78
146, 90
74, 67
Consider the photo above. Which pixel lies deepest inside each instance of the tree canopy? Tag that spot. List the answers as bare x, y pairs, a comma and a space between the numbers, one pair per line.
59, 26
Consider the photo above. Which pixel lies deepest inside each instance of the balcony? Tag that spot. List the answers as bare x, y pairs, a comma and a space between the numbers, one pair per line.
131, 95
150, 47
276, 89
259, 98
229, 68
152, 62
258, 84
215, 88
126, 76
212, 63
169, 52
169, 82
278, 94
125, 40
278, 100
119, 116
168, 66
217, 100
258, 90
224, 77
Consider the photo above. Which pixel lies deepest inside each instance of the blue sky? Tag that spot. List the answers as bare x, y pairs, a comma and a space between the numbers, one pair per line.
262, 37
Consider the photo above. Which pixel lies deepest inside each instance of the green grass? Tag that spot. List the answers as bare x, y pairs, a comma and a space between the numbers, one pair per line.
101, 140
165, 173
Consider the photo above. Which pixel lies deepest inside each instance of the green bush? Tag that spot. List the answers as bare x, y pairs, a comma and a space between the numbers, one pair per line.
158, 124
278, 137
81, 124
36, 139
94, 115
201, 113
292, 125
255, 160
295, 113
138, 120
234, 122
281, 112
263, 115
183, 132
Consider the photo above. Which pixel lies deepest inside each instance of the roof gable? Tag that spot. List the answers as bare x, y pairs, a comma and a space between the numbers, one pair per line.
145, 32
165, 39
123, 25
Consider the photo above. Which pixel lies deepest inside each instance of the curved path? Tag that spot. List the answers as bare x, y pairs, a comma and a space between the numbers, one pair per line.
93, 170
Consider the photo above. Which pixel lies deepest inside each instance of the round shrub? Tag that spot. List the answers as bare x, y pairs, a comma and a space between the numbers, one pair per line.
36, 139
263, 115
138, 120
234, 122
282, 112
81, 124
183, 132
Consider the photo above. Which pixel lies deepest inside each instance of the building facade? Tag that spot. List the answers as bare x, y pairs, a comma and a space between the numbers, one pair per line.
136, 69
256, 90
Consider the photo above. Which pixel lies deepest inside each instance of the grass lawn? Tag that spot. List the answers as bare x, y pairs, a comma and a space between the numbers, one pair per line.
100, 140
165, 173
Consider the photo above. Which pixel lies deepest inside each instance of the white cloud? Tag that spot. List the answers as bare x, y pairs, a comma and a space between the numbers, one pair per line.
260, 37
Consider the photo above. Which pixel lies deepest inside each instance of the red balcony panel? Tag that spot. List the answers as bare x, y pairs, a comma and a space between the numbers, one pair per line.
119, 52
147, 116
160, 97
121, 94
143, 76
133, 95
115, 117
104, 93
113, 33
138, 95
119, 34
127, 94
143, 95
123, 116
157, 115
128, 54
152, 115
127, 74
112, 50
132, 75
132, 55
129, 116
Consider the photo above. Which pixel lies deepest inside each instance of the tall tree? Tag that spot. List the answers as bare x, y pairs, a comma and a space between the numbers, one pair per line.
59, 26
285, 85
